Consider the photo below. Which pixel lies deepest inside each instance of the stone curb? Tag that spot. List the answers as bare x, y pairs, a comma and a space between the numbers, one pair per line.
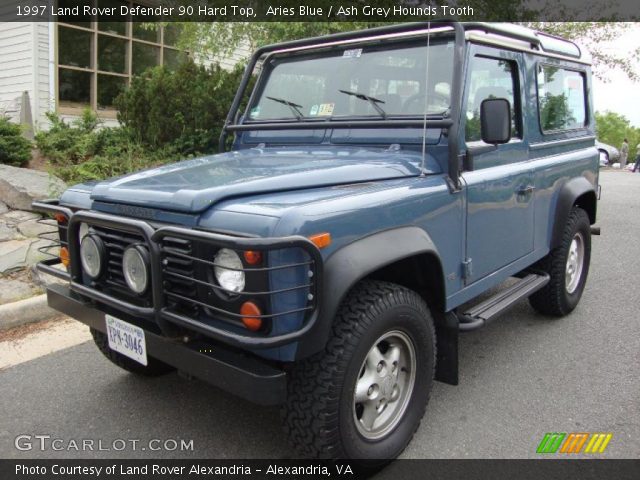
29, 310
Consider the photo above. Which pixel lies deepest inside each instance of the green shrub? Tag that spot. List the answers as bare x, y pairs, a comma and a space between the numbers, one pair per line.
83, 151
70, 144
184, 109
14, 148
165, 115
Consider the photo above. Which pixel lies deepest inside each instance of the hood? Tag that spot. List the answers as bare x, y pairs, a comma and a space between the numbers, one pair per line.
195, 185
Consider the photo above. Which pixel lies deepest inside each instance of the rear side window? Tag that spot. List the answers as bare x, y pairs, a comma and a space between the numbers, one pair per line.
561, 98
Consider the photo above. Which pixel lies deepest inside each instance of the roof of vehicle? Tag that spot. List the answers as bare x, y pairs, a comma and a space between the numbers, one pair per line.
507, 35
523, 38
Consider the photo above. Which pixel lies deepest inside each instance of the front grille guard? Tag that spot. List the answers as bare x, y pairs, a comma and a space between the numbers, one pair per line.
160, 312
50, 239
51, 207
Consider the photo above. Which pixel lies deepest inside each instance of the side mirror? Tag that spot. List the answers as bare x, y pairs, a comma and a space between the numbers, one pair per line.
495, 120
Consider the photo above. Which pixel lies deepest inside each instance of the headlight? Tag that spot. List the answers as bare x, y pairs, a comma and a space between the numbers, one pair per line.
135, 267
232, 280
91, 255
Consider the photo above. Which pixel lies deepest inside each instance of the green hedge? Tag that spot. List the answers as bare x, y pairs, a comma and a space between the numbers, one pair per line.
83, 151
184, 109
14, 148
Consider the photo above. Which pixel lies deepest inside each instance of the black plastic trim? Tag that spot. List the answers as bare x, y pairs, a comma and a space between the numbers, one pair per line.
569, 193
488, 310
347, 266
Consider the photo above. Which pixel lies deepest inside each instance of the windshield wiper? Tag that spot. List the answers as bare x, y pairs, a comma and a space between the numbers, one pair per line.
373, 101
295, 108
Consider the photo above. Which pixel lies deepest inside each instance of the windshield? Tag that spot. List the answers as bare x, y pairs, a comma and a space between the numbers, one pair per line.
368, 81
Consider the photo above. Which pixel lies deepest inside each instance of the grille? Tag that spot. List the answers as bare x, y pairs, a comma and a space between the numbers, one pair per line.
179, 272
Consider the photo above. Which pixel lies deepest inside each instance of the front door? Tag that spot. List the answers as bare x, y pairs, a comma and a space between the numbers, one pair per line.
499, 189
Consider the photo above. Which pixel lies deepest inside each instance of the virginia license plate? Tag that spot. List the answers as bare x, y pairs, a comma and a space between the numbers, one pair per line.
126, 339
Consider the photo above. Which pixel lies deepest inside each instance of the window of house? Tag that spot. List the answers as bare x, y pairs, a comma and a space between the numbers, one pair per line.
97, 57
491, 78
561, 98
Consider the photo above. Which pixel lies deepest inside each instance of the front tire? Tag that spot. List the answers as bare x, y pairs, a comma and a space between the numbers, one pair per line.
567, 266
364, 395
153, 368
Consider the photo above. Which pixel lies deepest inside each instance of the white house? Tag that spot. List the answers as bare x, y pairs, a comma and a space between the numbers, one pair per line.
68, 66
27, 64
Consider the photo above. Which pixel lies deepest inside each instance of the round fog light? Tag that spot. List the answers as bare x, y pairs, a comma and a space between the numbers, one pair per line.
135, 267
91, 255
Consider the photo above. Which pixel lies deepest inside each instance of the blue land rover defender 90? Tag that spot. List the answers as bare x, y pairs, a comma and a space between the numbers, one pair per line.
376, 183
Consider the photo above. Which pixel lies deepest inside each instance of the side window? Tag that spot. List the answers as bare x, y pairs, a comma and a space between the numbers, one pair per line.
492, 78
561, 98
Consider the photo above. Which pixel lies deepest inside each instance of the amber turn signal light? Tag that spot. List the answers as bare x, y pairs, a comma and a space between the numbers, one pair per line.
321, 240
252, 257
60, 218
252, 322
64, 256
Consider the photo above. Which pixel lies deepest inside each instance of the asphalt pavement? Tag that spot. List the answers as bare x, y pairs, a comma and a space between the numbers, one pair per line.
520, 377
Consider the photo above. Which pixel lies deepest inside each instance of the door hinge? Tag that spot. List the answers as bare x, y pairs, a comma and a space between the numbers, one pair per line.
467, 268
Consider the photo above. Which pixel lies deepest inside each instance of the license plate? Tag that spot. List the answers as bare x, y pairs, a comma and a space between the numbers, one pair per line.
126, 339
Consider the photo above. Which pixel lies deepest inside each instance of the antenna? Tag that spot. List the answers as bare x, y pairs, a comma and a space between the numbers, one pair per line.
426, 103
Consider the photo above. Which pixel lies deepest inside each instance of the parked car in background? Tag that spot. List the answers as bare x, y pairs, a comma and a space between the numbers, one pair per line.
608, 154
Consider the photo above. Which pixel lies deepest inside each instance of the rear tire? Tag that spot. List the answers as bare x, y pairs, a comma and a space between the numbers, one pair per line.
364, 395
153, 368
567, 266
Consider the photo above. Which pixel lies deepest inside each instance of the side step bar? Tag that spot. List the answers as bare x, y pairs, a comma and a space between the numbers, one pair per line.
483, 313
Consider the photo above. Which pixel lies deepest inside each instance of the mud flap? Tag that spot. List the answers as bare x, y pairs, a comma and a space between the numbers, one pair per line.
447, 345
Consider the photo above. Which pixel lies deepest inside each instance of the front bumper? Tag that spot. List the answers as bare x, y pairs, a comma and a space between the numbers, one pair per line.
235, 372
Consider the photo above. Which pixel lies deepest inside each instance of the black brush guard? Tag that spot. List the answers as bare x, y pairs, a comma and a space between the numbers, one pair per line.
160, 313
